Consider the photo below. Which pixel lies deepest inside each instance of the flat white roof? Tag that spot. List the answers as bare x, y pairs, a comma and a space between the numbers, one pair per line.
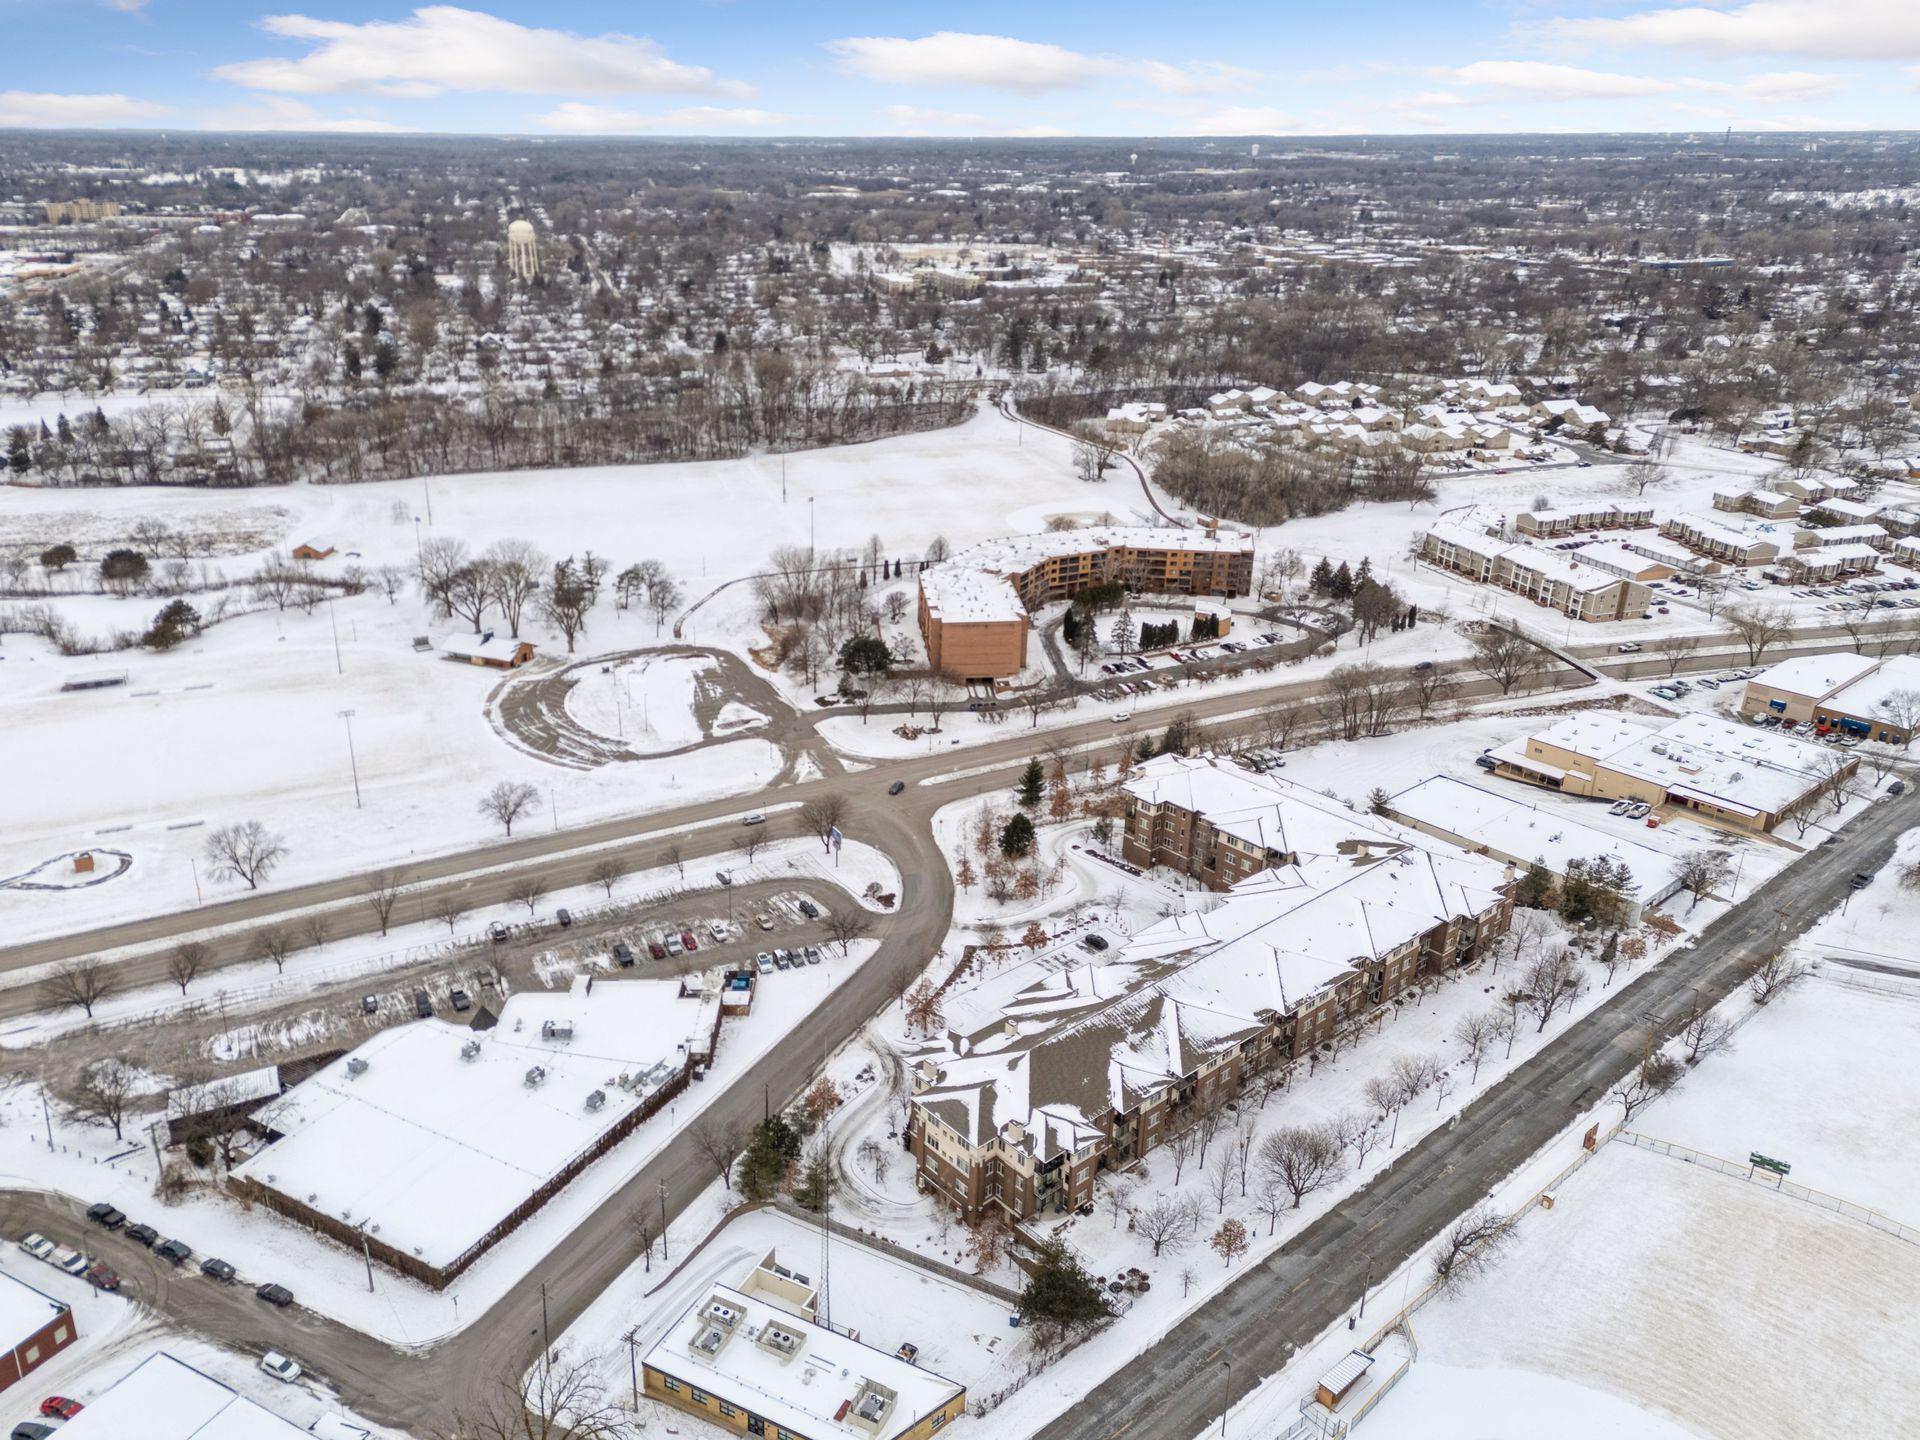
958, 594
808, 1383
1815, 677
1516, 827
1869, 694
1735, 765
162, 1398
486, 647
23, 1310
432, 1150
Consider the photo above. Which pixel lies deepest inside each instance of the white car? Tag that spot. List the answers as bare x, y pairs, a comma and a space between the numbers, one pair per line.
279, 1366
1120, 717
1620, 807
1628, 647
70, 1260
754, 819
36, 1245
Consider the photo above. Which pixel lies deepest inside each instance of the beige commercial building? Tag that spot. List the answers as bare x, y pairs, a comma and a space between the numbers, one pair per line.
1874, 699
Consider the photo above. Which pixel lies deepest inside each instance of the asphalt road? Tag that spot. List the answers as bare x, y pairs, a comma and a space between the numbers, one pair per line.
1176, 1387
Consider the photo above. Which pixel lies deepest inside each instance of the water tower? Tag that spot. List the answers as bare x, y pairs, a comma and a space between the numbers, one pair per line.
523, 251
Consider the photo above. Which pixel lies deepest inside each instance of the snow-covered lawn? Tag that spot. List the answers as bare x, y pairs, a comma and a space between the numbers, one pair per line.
1695, 1304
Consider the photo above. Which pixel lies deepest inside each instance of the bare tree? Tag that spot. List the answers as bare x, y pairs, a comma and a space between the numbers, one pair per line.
1506, 657
1701, 871
561, 1400
1387, 1096
1118, 1198
1220, 1179
107, 1088
383, 893
1772, 975
247, 851
1169, 1223
185, 962
512, 571
1556, 978
1759, 627
718, 1142
274, 943
608, 873
1644, 1084
1703, 1033
82, 982
450, 910
314, 930
507, 802
822, 816
529, 891
1675, 650
1303, 1158
1359, 1130
1273, 1201
676, 857
846, 925
1475, 1031
1470, 1248
643, 1224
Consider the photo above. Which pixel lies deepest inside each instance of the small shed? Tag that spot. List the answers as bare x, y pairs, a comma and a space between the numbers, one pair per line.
497, 652
312, 552
83, 863
1338, 1382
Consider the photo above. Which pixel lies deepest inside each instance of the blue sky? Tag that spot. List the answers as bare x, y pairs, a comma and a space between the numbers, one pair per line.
1045, 67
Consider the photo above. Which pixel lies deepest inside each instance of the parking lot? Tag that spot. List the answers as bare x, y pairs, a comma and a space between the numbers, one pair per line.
1165, 669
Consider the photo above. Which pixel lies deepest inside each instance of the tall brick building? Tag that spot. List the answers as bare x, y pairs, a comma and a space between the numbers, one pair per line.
974, 607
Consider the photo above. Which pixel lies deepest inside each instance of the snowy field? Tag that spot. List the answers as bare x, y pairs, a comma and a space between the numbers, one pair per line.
1694, 1304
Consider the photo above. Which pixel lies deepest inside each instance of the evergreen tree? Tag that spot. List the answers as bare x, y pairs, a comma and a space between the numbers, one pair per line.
815, 1186
1060, 1297
1031, 780
19, 453
1122, 639
1016, 839
1341, 586
1534, 887
176, 622
1321, 580
771, 1151
1378, 801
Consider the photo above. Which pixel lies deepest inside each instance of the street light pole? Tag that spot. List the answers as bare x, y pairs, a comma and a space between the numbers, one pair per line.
1226, 1396
546, 1334
663, 1220
352, 758
334, 620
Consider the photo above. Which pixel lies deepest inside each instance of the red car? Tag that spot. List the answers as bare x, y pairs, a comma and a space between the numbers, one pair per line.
103, 1277
656, 949
58, 1407
686, 939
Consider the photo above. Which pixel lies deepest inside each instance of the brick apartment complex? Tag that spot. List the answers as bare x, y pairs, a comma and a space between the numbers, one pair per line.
34, 1327
974, 607
1028, 1098
1551, 578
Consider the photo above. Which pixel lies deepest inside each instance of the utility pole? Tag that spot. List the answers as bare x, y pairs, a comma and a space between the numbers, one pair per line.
1226, 1396
334, 620
633, 1362
352, 758
663, 1220
46, 1115
546, 1334
366, 1253
194, 865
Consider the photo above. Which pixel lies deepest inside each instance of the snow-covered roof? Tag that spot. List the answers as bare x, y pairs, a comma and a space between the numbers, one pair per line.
240, 1089
800, 1376
1524, 832
1815, 676
432, 1147
1343, 888
1870, 693
23, 1310
1736, 765
488, 646
162, 1398
962, 594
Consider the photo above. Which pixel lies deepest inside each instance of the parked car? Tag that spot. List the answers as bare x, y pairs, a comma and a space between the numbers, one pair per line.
1861, 880
36, 1245
623, 955
674, 947
105, 1214
1620, 807
781, 959
896, 787
218, 1270
564, 916
1641, 809
422, 1004
1095, 943
1422, 667
764, 920
763, 962
499, 932
143, 1235
655, 949
274, 1294
688, 942
809, 909
280, 1367
71, 1260
59, 1407
1486, 762
813, 954
173, 1251
754, 819
30, 1430
461, 1000
1898, 787
369, 1004
1627, 647
103, 1277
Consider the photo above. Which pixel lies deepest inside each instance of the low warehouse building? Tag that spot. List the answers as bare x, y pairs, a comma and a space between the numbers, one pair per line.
1875, 699
1735, 775
162, 1398
431, 1143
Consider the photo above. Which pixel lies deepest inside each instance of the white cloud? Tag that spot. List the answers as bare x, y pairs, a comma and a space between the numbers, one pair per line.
130, 7
1000, 62
282, 112
1538, 80
1826, 29
443, 47
918, 120
28, 109
1779, 87
578, 118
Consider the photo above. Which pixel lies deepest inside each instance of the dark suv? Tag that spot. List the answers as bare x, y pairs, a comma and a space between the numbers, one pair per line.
143, 1235
275, 1294
173, 1251
105, 1214
218, 1270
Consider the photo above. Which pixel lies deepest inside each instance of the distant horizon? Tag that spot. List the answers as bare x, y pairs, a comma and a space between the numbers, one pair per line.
854, 69
824, 136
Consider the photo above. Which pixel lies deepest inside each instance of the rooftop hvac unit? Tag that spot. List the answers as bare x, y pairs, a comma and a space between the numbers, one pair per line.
536, 1076
356, 1067
785, 1342
872, 1406
470, 1050
724, 1315
556, 1030
709, 1340
596, 1099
